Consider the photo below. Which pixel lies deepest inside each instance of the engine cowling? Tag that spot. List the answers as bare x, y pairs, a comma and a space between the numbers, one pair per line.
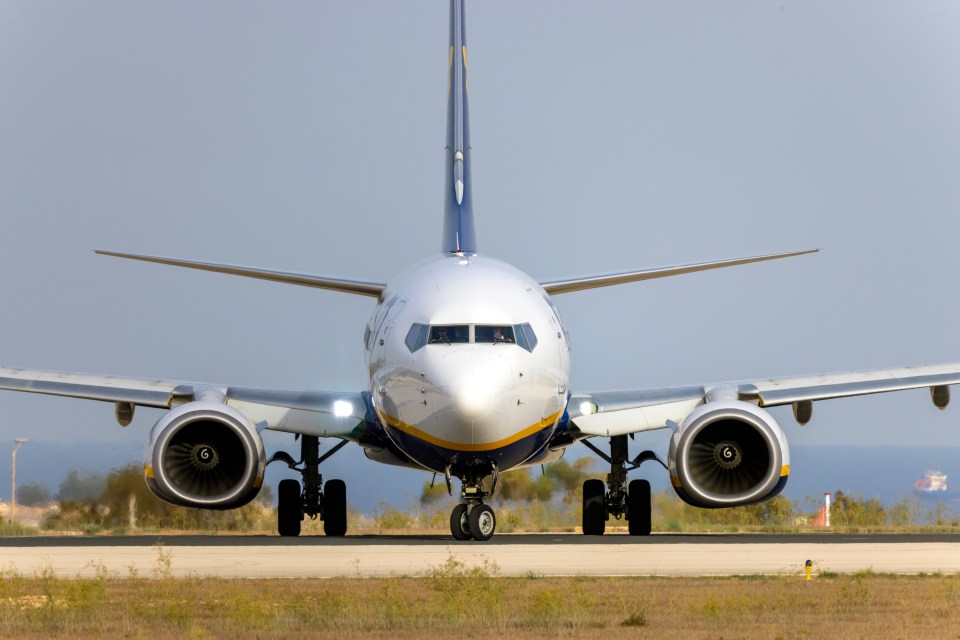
728, 453
205, 455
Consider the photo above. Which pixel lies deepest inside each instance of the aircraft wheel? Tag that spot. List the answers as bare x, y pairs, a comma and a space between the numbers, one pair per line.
460, 523
335, 508
482, 522
594, 507
638, 508
289, 508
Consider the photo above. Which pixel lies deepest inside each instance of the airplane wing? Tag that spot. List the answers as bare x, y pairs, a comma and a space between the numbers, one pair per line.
343, 285
319, 413
612, 413
568, 285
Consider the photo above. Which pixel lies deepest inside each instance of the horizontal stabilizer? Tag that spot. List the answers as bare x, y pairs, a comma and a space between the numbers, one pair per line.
554, 287
357, 287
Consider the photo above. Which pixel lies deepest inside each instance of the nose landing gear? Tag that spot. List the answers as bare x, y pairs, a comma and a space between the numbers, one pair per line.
473, 522
472, 519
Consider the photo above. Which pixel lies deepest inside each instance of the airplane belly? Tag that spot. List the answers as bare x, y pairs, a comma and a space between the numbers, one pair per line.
436, 457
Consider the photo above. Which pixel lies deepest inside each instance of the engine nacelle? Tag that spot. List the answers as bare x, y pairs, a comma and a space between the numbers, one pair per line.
204, 455
728, 453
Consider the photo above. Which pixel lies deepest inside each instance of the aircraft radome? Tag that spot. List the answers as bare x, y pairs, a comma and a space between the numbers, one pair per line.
469, 371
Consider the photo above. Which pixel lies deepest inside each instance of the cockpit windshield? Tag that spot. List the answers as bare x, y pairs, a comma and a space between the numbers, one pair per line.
449, 334
421, 335
494, 334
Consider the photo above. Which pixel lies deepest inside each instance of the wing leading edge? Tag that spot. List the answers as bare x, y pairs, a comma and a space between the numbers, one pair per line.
611, 413
317, 413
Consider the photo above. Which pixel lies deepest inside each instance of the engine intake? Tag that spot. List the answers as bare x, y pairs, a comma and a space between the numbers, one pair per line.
205, 455
727, 454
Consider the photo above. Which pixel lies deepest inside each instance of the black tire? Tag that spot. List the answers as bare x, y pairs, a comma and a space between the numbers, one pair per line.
459, 523
289, 508
638, 508
335, 508
483, 522
594, 507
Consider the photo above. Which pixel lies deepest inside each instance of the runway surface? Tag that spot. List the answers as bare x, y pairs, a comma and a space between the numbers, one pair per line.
513, 555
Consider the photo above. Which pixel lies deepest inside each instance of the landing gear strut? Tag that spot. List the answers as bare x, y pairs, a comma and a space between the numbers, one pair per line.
328, 501
617, 498
472, 519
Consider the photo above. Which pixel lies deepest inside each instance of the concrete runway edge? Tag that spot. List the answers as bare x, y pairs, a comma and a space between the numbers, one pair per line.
527, 557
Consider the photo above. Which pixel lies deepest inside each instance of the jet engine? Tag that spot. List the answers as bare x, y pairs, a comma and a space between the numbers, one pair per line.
204, 455
728, 453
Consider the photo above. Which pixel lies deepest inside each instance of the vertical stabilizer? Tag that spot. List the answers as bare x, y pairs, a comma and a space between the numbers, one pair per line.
459, 233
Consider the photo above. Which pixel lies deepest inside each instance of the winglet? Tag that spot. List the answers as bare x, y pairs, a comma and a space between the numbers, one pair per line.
459, 233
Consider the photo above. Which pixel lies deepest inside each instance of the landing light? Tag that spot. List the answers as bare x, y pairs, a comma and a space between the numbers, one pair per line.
588, 408
342, 408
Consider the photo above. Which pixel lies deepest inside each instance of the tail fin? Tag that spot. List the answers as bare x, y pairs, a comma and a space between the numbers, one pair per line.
459, 233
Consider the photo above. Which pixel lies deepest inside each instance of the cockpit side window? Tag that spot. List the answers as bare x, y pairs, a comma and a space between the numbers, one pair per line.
556, 313
417, 337
449, 334
526, 338
494, 333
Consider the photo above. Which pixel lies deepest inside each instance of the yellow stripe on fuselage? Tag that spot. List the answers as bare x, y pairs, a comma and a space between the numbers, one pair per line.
411, 430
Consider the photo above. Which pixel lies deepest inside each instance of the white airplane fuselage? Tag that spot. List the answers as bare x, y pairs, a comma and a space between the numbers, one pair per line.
469, 362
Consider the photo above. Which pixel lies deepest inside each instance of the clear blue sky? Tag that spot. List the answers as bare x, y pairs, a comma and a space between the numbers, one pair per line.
607, 136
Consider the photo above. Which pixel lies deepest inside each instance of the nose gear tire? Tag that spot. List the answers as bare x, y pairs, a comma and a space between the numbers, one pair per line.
482, 522
460, 523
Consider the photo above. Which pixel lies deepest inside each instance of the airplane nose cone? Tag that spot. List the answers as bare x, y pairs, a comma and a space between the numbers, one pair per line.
473, 399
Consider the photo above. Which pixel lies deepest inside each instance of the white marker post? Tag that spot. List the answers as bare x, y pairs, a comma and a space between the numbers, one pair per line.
826, 509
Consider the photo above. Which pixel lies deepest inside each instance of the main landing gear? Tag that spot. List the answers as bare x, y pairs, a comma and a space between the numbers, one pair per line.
617, 498
472, 519
328, 501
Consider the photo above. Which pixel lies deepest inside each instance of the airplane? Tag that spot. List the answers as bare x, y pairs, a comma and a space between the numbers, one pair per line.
468, 363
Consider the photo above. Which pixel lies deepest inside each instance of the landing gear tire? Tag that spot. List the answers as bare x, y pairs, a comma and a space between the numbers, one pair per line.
460, 523
289, 508
594, 509
482, 522
335, 508
638, 508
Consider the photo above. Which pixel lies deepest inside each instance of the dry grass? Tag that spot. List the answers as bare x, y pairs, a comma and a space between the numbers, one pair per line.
473, 601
